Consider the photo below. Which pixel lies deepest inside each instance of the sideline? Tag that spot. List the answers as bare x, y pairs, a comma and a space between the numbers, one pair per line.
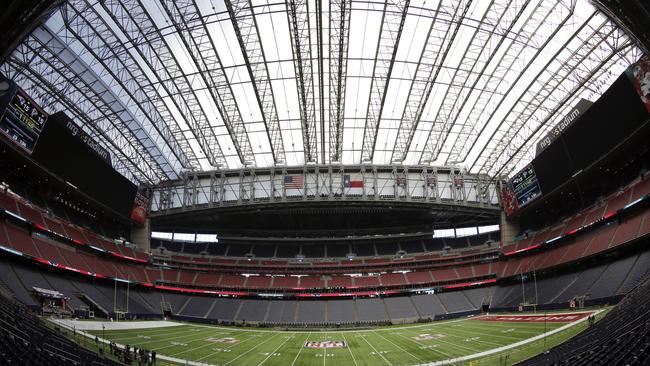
436, 363
121, 346
118, 325
509, 346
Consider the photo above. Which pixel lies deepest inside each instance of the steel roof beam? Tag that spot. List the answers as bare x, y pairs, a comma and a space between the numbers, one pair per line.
433, 56
300, 30
339, 41
203, 51
499, 19
121, 72
244, 23
49, 66
547, 14
556, 81
392, 24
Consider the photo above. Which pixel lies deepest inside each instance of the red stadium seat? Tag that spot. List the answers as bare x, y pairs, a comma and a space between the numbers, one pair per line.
366, 281
207, 279
340, 281
392, 279
20, 239
186, 277
464, 271
232, 281
7, 202
444, 275
259, 282
419, 277
49, 251
285, 282
30, 213
311, 282
627, 230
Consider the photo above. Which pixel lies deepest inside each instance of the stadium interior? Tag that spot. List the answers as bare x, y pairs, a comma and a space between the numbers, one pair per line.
321, 170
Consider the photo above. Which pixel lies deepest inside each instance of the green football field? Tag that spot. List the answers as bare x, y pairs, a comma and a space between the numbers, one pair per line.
394, 345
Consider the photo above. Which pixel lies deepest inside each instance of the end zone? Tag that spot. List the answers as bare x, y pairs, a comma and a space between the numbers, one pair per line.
536, 318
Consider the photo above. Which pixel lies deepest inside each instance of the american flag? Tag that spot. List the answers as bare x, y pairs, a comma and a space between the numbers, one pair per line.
400, 179
293, 181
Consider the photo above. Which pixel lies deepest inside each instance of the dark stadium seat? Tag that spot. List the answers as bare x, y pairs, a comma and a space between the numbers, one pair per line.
387, 248
622, 337
313, 251
287, 251
337, 250
264, 251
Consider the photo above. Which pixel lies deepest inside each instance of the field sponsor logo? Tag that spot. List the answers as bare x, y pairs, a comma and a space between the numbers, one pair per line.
325, 344
226, 340
428, 337
551, 318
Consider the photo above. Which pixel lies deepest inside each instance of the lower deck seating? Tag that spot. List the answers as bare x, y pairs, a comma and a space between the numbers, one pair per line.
601, 281
25, 340
622, 337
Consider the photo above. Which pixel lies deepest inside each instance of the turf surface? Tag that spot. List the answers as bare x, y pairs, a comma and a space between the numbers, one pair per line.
397, 345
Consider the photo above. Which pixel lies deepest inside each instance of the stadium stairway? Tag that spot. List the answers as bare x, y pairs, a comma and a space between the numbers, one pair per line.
622, 337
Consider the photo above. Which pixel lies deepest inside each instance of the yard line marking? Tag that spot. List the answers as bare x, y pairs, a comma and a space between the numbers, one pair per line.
133, 333
481, 333
377, 352
403, 350
510, 346
271, 353
350, 349
435, 349
186, 341
228, 347
456, 344
203, 334
208, 345
300, 349
259, 344
391, 328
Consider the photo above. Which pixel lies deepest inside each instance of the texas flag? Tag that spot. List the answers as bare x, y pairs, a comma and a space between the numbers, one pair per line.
348, 183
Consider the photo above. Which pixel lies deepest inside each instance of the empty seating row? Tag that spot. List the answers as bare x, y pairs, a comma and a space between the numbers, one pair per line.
320, 250
585, 245
611, 204
44, 220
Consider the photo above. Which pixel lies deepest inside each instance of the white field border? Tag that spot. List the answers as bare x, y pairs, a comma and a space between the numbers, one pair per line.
137, 325
510, 346
130, 325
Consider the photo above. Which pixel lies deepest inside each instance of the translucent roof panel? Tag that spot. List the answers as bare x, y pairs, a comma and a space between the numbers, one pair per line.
176, 85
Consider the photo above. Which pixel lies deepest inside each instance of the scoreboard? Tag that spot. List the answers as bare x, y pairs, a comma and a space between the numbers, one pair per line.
525, 186
23, 119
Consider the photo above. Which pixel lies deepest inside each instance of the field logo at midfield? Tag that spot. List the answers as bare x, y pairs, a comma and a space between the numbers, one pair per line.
226, 340
326, 344
428, 337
